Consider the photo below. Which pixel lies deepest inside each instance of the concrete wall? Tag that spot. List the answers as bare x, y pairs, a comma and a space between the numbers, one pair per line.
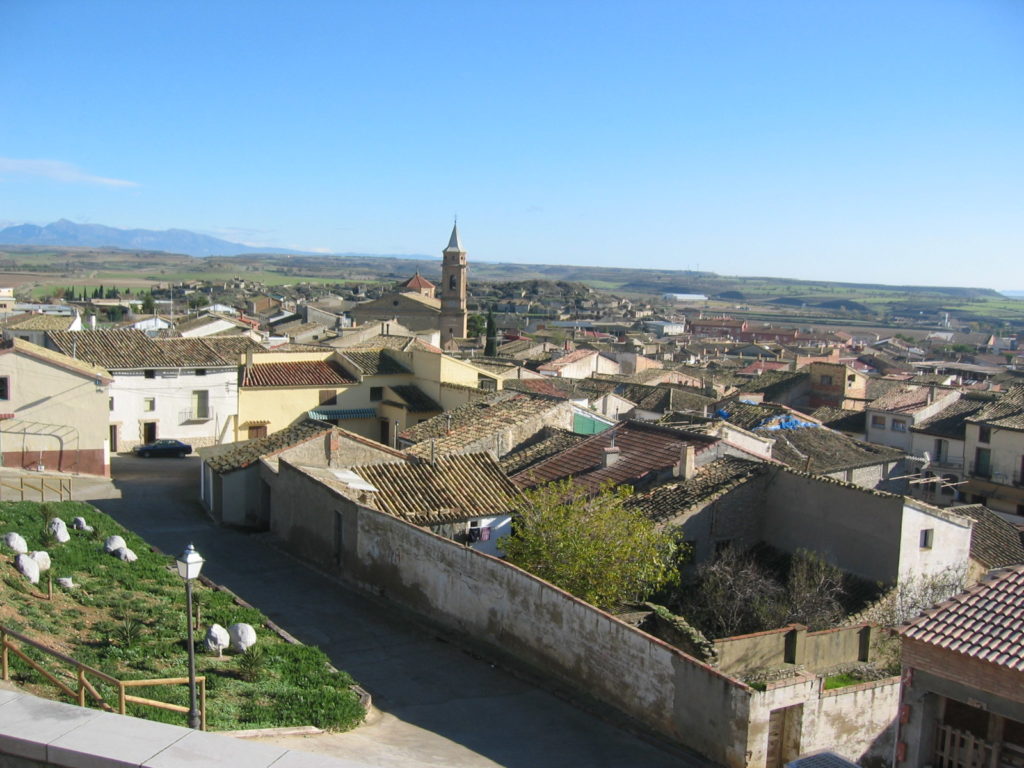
950, 546
816, 651
855, 530
516, 614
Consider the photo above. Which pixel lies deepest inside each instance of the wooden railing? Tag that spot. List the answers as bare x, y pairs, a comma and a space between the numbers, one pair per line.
84, 686
961, 749
37, 487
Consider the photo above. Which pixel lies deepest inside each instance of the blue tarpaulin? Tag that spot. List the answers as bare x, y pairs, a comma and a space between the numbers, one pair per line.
722, 413
784, 422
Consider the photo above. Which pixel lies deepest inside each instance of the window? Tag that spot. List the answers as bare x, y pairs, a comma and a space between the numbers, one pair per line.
201, 403
984, 434
825, 381
328, 397
149, 373
5, 387
376, 394
149, 404
927, 536
948, 483
200, 371
983, 462
260, 431
110, 403
878, 421
899, 425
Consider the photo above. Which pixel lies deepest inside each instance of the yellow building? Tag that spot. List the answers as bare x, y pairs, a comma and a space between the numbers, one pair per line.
375, 392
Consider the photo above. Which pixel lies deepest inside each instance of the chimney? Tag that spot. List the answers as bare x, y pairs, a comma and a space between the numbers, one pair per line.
611, 455
687, 467
448, 427
92, 322
931, 394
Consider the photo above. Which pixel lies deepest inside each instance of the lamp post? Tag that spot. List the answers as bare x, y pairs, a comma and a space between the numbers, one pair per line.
189, 564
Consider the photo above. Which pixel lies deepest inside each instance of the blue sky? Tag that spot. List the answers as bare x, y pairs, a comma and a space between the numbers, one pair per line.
858, 141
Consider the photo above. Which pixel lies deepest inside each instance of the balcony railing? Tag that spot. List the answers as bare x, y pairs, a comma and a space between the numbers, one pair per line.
949, 462
194, 415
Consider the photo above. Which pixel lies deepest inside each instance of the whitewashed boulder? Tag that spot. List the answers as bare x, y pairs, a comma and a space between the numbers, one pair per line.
27, 567
217, 639
113, 543
243, 637
42, 560
66, 582
79, 524
16, 542
123, 553
59, 529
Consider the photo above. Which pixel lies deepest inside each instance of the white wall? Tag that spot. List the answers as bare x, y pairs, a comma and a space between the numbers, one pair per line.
950, 546
171, 391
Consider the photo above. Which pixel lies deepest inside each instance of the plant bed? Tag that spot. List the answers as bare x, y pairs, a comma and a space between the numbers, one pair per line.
128, 620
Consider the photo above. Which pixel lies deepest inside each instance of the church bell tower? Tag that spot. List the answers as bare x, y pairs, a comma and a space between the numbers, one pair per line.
453, 289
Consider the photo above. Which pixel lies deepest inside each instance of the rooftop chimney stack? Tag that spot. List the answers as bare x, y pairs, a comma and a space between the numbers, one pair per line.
687, 462
611, 455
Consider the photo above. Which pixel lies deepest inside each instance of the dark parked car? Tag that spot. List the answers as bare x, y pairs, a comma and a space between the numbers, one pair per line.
163, 448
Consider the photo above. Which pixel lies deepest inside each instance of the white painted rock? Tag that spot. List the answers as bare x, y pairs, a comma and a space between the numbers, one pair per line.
79, 524
217, 639
243, 637
113, 543
59, 529
66, 582
16, 542
42, 560
123, 553
27, 567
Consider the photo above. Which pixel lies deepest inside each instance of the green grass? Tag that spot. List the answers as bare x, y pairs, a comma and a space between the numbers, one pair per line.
841, 681
128, 620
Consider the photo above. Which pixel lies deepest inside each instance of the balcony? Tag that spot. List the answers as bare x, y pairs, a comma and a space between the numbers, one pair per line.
194, 416
948, 462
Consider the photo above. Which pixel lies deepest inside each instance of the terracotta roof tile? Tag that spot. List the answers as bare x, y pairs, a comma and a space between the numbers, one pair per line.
451, 489
415, 399
373, 362
983, 623
1007, 412
711, 481
553, 442
994, 542
36, 321
303, 373
229, 457
645, 449
127, 348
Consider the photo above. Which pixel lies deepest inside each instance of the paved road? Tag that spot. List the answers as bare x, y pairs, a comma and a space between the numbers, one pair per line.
438, 706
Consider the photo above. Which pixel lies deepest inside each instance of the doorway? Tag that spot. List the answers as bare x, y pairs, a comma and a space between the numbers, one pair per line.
113, 438
784, 735
148, 431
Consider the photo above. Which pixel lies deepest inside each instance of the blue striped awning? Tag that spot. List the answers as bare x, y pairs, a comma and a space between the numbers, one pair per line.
330, 414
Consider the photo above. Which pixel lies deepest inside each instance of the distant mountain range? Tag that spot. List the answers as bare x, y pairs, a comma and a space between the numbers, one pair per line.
68, 233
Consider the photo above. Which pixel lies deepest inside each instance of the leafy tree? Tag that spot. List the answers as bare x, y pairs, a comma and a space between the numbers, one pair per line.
148, 304
491, 346
592, 545
197, 300
475, 325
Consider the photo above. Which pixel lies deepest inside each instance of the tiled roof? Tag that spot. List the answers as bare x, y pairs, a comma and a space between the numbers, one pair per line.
473, 422
36, 321
903, 400
451, 489
567, 359
1007, 412
950, 422
994, 542
231, 348
840, 419
821, 450
126, 348
417, 282
644, 449
554, 442
56, 358
983, 623
374, 362
208, 319
305, 373
711, 481
416, 399
229, 457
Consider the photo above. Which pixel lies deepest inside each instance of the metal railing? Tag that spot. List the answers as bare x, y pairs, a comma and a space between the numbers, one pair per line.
193, 414
82, 684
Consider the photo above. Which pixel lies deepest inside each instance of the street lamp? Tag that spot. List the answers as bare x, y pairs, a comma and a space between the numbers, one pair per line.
190, 563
